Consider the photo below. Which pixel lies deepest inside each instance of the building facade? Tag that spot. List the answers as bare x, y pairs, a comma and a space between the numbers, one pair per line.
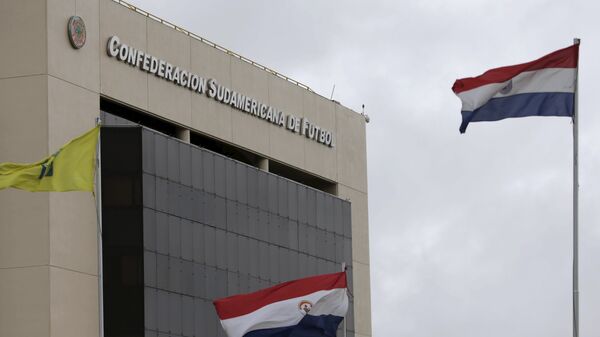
219, 176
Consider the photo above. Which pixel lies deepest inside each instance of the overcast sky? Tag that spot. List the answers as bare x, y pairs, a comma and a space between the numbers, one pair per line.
470, 234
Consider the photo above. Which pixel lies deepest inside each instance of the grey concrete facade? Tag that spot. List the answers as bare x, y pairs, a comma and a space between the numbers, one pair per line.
50, 92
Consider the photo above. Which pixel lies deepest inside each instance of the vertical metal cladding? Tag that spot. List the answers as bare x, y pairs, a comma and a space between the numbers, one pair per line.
213, 227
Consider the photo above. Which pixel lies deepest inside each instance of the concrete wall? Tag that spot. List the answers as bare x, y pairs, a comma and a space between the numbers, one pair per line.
50, 92
48, 246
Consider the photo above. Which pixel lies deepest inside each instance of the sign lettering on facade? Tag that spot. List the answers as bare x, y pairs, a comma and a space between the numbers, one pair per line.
216, 91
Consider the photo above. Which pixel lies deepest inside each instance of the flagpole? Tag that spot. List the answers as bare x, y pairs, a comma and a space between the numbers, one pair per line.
344, 270
576, 203
99, 230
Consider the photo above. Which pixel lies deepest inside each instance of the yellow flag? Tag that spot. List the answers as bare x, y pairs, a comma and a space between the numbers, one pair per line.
69, 169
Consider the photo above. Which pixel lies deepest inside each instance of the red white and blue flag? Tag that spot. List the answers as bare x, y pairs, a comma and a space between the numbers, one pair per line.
309, 307
544, 87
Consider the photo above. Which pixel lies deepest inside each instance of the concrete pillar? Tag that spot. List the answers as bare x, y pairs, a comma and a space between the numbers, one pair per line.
48, 244
183, 134
263, 164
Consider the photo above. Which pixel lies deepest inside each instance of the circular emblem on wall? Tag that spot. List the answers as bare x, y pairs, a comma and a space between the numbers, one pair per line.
76, 31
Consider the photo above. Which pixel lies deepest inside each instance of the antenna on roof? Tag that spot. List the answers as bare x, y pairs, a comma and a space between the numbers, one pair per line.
332, 91
366, 117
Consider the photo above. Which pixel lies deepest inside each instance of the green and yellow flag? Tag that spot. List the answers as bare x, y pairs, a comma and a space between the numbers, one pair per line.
69, 169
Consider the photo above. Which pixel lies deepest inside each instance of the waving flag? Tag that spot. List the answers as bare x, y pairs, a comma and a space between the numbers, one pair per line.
71, 168
309, 307
544, 87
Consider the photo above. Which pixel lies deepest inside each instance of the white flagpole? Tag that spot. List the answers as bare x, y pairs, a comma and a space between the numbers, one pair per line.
344, 270
99, 231
576, 204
